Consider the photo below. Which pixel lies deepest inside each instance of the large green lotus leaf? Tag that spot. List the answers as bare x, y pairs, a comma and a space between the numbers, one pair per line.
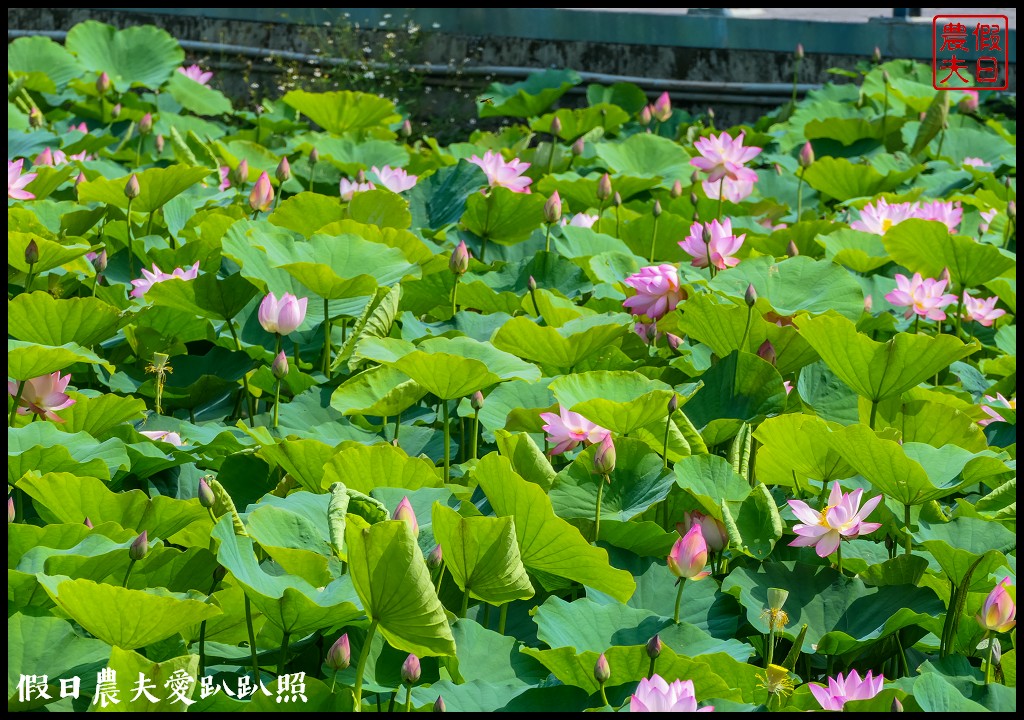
547, 543
638, 481
340, 111
51, 254
798, 443
22, 538
930, 421
482, 555
753, 524
958, 544
526, 458
382, 208
516, 405
879, 370
440, 198
48, 179
579, 121
841, 613
94, 558
625, 95
289, 602
646, 155
581, 194
927, 247
617, 400
860, 251
130, 666
643, 538
366, 467
796, 284
196, 97
393, 583
843, 180
562, 347
932, 693
351, 155
48, 65
208, 295
45, 438
722, 325
97, 415
47, 646
484, 655
39, 317
503, 216
374, 322
157, 186
307, 212
61, 497
482, 696
527, 98
303, 459
711, 479
740, 386
382, 391
293, 540
142, 55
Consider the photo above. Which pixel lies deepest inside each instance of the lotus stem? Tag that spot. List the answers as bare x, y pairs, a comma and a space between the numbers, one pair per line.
654, 233
597, 509
138, 151
746, 331
800, 195
769, 651
487, 616
455, 294
124, 583
131, 253
988, 657
245, 380
1006, 231
604, 698
447, 440
277, 402
874, 412
483, 247
502, 616
284, 653
14, 408
547, 240
465, 603
361, 666
252, 639
408, 698
476, 432
664, 448
679, 596
551, 152
398, 424
906, 529
650, 670
885, 107
718, 212
839, 557
327, 340
30, 277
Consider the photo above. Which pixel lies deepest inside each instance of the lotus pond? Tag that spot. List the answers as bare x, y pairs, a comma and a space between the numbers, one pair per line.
605, 409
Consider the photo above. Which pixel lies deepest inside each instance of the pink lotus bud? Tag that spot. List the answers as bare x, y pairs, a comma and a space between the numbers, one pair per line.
806, 155
284, 170
459, 261
279, 368
617, 200
531, 284
677, 190
411, 670
405, 512
896, 706
314, 156
361, 177
10, 510
885, 77
799, 53
1011, 209
999, 613
32, 252
115, 112
602, 672
767, 352
577, 147
693, 201
656, 210
146, 124
712, 531
876, 55
99, 262
654, 647
139, 547
604, 458
706, 235
750, 296
553, 208
792, 250
339, 656
439, 705
556, 126
103, 83
673, 403
282, 316
435, 557
689, 555
262, 195
476, 400
88, 523
240, 175
604, 187
674, 341
945, 277
711, 115
131, 188
662, 108
160, 142
868, 303
970, 103
80, 179
645, 115
406, 129
206, 497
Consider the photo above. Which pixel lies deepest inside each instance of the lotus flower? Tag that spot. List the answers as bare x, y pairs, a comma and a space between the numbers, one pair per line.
841, 689
196, 73
689, 555
348, 188
656, 695
987, 217
504, 174
42, 395
948, 213
975, 162
661, 110
339, 656
568, 429
999, 613
411, 670
843, 517
282, 316
262, 195
163, 436
16, 181
881, 216
149, 279
405, 513
580, 220
981, 311
225, 177
50, 158
993, 415
657, 291
713, 531
721, 249
732, 190
922, 296
604, 458
394, 179
648, 332
723, 157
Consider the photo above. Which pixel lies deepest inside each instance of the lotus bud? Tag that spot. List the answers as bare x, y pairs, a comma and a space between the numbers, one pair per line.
645, 115
531, 284
314, 156
896, 706
876, 55
103, 83
279, 368
80, 179
206, 497
282, 316
131, 188
439, 705
1011, 209
435, 557
284, 170
604, 187
139, 547
602, 672
656, 210
604, 458
99, 262
714, 534
868, 303
240, 175
115, 112
767, 352
88, 523
654, 647
792, 250
673, 403
160, 142
674, 341
693, 201
553, 208
577, 147
706, 235
262, 195
339, 657
556, 126
885, 77
999, 612
689, 555
411, 670
750, 296
459, 261
146, 124
694, 177
35, 118
476, 400
806, 155
219, 573
31, 252
676, 191
711, 115
406, 129
799, 52
617, 200
946, 277
11, 513
405, 512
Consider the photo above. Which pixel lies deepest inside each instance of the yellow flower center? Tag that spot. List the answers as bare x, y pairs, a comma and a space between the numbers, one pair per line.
823, 520
886, 224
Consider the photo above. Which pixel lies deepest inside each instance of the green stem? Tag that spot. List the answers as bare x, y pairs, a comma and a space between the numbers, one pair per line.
917, 323
597, 509
839, 556
604, 698
551, 152
483, 247
547, 239
124, 583
149, 227
282, 660
600, 212
885, 107
988, 660
447, 441
769, 652
536, 308
796, 74
800, 195
679, 596
465, 603
906, 529
664, 449
942, 139
721, 194
874, 412
408, 698
654, 236
650, 670
440, 575
327, 340
245, 378
618, 220
312, 171
277, 402
138, 151
398, 424
30, 277
1006, 232
487, 616
202, 648
131, 252
361, 666
746, 330
476, 432
959, 312
252, 639
455, 295
17, 400
334, 679
391, 702
502, 616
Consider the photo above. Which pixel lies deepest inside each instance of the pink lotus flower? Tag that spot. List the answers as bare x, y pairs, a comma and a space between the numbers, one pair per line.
969, 103
568, 429
689, 555
348, 188
656, 695
975, 162
714, 532
42, 395
504, 174
997, 401
881, 216
394, 179
787, 386
50, 158
80, 127
225, 177
16, 181
922, 296
843, 517
163, 436
981, 311
720, 250
648, 332
580, 220
987, 216
841, 689
999, 613
657, 291
405, 513
661, 110
194, 72
282, 316
948, 213
732, 190
723, 157
149, 279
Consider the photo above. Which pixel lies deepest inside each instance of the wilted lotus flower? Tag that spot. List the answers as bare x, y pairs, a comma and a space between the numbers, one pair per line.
394, 179
656, 695
42, 395
411, 670
881, 216
194, 72
139, 547
843, 517
405, 513
993, 415
723, 157
166, 436
721, 247
923, 296
16, 181
262, 195
713, 531
504, 174
841, 689
981, 311
282, 316
348, 188
149, 279
999, 613
689, 555
568, 429
657, 291
948, 213
339, 656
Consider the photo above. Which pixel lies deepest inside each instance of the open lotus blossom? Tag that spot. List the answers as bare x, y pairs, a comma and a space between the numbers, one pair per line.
657, 291
282, 316
166, 436
225, 177
50, 158
975, 162
16, 181
348, 188
196, 73
394, 179
149, 279
655, 695
42, 395
948, 213
580, 220
987, 216
714, 532
689, 555
722, 248
982, 311
843, 517
732, 190
504, 174
922, 296
723, 157
841, 689
993, 414
568, 429
881, 216
999, 613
